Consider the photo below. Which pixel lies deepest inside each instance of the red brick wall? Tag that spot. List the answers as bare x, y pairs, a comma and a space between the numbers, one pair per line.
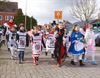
4, 14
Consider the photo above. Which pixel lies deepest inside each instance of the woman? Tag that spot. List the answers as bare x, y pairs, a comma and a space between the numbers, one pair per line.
76, 48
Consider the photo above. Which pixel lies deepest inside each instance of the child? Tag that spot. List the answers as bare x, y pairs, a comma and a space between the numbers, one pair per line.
90, 40
11, 38
37, 41
59, 48
50, 42
1, 33
23, 41
8, 25
76, 48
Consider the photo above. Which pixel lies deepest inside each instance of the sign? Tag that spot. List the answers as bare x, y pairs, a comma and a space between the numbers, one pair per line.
58, 14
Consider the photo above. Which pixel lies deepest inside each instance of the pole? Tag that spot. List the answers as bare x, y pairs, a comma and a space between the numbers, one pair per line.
25, 14
31, 22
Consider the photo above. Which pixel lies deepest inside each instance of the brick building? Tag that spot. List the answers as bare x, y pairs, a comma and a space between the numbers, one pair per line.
7, 10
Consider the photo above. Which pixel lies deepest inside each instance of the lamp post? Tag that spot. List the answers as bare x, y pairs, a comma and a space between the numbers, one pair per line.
25, 14
31, 22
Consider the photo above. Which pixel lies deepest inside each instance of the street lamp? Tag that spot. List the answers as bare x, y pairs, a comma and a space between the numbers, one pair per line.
25, 14
31, 22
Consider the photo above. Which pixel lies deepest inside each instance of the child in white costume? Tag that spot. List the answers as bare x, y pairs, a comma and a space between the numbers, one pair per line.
90, 40
11, 38
50, 43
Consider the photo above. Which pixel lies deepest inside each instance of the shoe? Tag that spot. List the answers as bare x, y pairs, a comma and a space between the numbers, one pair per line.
73, 63
46, 53
58, 65
12, 58
36, 63
94, 63
23, 60
81, 63
85, 60
52, 56
20, 62
8, 49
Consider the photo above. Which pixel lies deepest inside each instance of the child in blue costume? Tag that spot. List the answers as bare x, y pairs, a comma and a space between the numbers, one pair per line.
76, 48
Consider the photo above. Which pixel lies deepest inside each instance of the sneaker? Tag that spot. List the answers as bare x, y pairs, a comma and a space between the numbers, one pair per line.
94, 63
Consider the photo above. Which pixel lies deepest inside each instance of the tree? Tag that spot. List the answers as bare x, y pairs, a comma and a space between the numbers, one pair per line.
84, 9
20, 18
4, 0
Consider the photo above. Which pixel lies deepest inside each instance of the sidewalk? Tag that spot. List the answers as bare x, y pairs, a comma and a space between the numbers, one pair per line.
46, 68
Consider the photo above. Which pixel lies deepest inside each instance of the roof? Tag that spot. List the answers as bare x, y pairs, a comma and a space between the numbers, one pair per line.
8, 6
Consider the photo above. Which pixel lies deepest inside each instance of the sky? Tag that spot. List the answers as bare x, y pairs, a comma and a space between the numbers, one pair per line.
43, 10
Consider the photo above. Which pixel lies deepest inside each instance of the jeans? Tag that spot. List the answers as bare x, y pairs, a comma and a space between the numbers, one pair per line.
21, 55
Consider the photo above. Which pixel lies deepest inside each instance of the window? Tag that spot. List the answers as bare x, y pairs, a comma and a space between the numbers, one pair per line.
1, 17
9, 17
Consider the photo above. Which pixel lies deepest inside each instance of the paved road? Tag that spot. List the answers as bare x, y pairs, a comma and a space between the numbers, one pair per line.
46, 68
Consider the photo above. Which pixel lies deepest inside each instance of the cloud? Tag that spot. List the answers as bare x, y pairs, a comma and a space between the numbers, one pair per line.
43, 10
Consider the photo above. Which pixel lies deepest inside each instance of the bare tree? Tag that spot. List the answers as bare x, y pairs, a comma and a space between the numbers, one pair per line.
84, 9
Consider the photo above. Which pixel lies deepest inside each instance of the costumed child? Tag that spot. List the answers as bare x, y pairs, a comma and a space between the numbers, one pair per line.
41, 31
22, 41
82, 30
2, 39
76, 48
37, 41
59, 51
66, 42
50, 42
90, 41
8, 25
1, 32
11, 38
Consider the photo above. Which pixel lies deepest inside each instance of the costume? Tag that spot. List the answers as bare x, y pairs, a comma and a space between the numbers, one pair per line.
9, 25
76, 46
1, 33
22, 41
59, 51
11, 38
36, 46
90, 40
50, 43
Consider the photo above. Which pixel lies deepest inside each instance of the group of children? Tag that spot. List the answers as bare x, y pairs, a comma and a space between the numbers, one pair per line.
55, 40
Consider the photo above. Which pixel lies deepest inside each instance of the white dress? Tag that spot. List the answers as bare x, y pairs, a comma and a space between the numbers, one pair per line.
90, 40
